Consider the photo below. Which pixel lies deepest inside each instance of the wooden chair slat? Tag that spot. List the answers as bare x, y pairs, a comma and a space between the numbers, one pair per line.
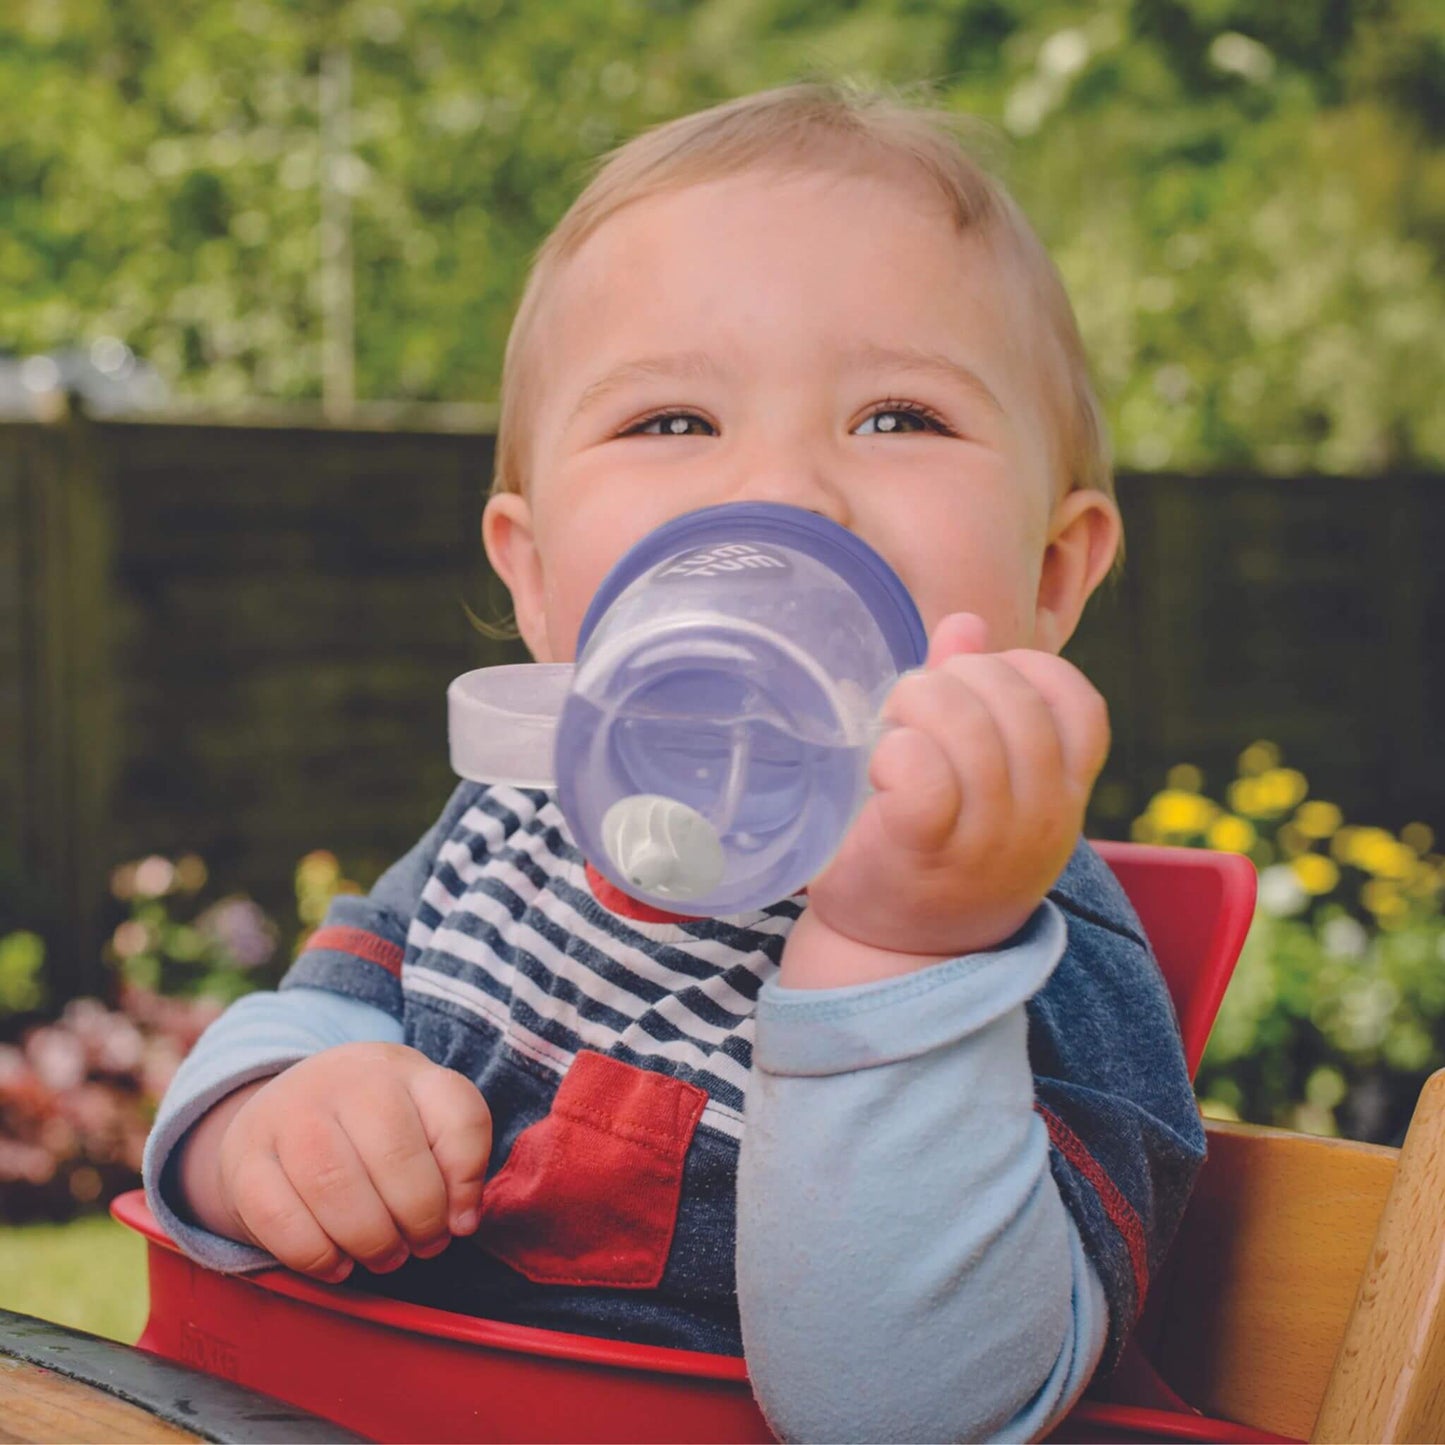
1389, 1382
1253, 1307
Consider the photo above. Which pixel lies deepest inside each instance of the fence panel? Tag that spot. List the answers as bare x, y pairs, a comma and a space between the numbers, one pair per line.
1300, 610
235, 640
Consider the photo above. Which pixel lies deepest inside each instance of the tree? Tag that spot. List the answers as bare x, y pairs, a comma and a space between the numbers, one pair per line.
1248, 202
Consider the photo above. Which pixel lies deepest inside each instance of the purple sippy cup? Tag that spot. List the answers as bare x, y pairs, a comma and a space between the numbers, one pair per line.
710, 745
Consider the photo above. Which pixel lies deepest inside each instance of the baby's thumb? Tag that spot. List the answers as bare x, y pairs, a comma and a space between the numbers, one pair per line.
458, 1127
956, 634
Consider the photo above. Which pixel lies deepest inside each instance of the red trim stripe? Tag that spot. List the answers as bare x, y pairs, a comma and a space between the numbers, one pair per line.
1121, 1213
624, 905
357, 941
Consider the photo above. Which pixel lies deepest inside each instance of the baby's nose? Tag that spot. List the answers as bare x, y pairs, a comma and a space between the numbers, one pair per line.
796, 482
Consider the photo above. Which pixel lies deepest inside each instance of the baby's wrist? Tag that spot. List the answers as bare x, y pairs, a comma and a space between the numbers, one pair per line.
818, 956
203, 1197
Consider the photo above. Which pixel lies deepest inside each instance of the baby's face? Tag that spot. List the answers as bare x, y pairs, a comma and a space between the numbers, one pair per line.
824, 340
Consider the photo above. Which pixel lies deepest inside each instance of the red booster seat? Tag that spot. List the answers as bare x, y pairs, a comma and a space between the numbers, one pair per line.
395, 1371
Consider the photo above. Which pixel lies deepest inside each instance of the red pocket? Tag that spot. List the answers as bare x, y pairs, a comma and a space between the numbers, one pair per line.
589, 1195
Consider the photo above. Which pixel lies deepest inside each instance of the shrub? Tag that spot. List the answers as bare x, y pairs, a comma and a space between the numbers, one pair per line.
78, 1092
77, 1096
1336, 1013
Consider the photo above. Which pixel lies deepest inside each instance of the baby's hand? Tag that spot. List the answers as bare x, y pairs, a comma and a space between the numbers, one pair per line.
362, 1153
981, 786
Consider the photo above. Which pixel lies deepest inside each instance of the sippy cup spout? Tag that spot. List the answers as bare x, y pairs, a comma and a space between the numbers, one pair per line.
663, 847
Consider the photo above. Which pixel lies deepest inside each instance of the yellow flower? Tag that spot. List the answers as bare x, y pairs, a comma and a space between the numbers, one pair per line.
1384, 901
1291, 840
1258, 758
1141, 830
1419, 836
1375, 851
1424, 883
1231, 835
1276, 791
318, 870
318, 876
1176, 812
1283, 788
1244, 797
1316, 873
1185, 777
1318, 820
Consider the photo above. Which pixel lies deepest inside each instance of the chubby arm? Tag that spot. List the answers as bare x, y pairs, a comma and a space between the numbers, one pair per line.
342, 990
906, 1267
256, 1038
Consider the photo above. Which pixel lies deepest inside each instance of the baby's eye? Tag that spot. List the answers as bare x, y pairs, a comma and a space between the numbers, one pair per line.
672, 424
894, 417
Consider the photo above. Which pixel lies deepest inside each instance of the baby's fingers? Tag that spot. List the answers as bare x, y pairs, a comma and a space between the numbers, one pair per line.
458, 1128
386, 1130
336, 1186
276, 1219
1080, 712
917, 794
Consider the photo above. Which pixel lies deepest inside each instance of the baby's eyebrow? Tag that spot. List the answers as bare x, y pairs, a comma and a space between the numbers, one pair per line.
673, 366
912, 358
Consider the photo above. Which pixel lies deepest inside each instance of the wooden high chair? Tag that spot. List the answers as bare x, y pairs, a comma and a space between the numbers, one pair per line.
1302, 1297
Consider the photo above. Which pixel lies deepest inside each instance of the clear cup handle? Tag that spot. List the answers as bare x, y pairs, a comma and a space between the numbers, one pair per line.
502, 723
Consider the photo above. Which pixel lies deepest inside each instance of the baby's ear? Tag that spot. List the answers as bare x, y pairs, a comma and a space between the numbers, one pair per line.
512, 550
1084, 535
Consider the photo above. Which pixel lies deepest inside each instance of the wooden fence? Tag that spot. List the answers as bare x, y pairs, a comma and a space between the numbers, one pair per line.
235, 640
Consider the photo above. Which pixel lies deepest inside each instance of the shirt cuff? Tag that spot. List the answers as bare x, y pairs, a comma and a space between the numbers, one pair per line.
814, 1032
161, 1171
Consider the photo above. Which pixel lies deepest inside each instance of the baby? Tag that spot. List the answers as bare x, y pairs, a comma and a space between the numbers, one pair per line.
912, 1142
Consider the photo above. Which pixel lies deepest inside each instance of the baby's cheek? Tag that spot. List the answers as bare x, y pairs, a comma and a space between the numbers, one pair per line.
576, 555
999, 592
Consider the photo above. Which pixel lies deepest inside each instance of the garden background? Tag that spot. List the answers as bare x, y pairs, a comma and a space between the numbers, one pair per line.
257, 262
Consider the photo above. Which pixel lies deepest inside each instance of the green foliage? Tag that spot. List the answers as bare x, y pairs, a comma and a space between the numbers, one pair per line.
1317, 1036
22, 972
1336, 1012
1247, 201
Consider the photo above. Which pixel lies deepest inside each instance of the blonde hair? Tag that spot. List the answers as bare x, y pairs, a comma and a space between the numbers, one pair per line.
825, 126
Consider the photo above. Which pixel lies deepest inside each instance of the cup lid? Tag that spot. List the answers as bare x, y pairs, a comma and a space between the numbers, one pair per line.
838, 549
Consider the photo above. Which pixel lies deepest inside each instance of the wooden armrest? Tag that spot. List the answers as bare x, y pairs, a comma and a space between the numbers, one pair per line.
1388, 1382
1246, 1319
1305, 1294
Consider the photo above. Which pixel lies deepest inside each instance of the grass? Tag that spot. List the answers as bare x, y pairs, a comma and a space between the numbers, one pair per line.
89, 1275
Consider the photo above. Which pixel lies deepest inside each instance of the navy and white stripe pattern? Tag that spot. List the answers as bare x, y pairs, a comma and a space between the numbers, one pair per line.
509, 939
